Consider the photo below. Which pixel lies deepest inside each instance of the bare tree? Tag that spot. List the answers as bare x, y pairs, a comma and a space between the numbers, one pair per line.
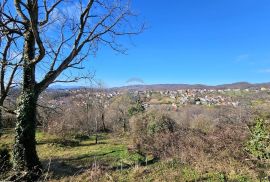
101, 105
54, 40
93, 105
117, 111
9, 64
7, 73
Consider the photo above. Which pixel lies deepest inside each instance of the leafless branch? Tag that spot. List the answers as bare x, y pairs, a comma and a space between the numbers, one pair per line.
75, 36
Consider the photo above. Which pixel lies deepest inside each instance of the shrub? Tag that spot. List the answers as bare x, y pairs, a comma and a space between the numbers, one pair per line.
81, 137
203, 122
214, 148
258, 145
136, 108
149, 129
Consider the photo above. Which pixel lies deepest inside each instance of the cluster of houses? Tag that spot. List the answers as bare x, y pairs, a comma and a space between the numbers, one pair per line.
200, 97
207, 97
79, 97
217, 97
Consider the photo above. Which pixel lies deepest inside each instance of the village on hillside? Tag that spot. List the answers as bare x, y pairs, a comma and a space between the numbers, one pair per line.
171, 99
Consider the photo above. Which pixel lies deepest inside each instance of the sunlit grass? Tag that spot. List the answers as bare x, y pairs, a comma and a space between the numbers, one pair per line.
67, 163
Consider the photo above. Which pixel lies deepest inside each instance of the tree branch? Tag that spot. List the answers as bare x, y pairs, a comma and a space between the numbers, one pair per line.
48, 11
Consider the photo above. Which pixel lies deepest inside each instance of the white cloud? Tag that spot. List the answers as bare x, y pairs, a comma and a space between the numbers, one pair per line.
265, 70
242, 57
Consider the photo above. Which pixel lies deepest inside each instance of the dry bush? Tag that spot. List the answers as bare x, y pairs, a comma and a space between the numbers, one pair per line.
149, 127
207, 118
118, 112
78, 116
94, 174
209, 143
67, 124
234, 115
203, 122
221, 150
196, 117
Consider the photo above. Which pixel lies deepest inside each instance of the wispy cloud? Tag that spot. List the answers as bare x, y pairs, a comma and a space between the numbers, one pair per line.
242, 57
135, 80
264, 70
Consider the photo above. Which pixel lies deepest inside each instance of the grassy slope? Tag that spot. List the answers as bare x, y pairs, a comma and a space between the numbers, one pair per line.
109, 161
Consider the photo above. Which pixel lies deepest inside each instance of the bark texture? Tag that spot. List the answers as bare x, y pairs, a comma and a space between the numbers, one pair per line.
25, 154
1, 122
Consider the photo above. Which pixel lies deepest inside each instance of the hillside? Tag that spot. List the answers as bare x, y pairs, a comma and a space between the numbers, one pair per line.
238, 85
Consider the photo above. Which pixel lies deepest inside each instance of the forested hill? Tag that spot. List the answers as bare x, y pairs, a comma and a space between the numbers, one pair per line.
238, 85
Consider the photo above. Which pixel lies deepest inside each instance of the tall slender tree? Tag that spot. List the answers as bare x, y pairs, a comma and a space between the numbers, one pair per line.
58, 35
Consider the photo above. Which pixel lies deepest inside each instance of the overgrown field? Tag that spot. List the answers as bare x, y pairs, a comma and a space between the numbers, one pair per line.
113, 160
88, 139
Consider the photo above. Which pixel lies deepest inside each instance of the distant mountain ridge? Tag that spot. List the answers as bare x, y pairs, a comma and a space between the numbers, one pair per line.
237, 85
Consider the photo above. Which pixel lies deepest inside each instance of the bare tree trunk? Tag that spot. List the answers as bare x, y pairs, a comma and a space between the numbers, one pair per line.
103, 122
96, 131
124, 126
25, 155
1, 119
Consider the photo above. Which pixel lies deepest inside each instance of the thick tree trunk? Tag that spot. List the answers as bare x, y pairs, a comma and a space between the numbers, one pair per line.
25, 154
1, 115
1, 121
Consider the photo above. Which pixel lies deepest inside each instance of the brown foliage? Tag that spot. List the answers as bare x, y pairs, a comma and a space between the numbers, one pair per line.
218, 148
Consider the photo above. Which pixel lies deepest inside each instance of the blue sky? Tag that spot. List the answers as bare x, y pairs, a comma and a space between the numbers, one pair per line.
193, 41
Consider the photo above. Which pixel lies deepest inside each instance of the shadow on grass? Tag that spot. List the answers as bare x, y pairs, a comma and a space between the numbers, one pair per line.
66, 168
91, 144
76, 143
89, 156
60, 168
128, 166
